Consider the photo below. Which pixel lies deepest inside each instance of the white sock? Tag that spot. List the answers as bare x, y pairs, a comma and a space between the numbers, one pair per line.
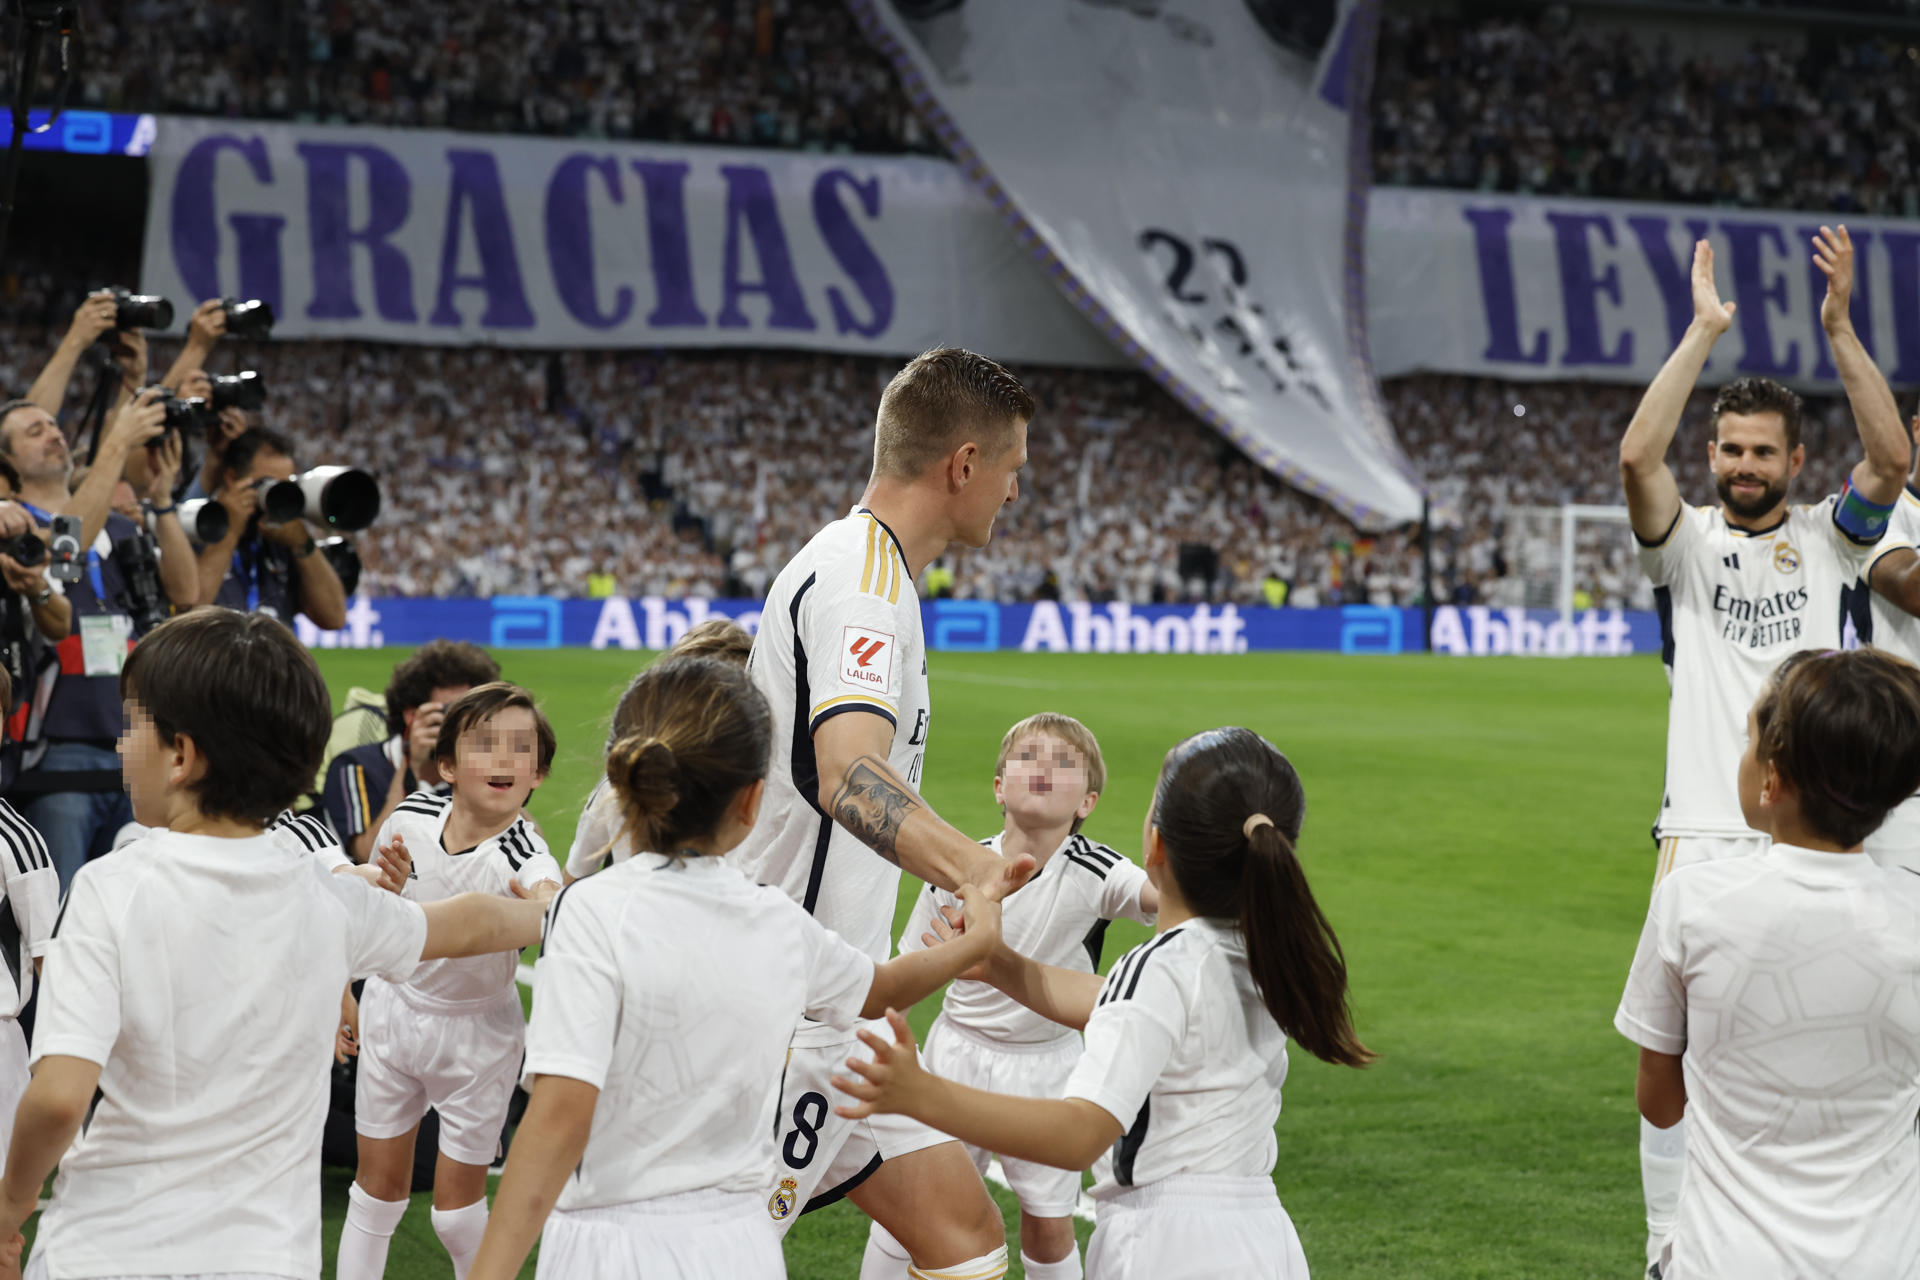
460, 1230
1068, 1268
369, 1230
885, 1259
988, 1266
1663, 1159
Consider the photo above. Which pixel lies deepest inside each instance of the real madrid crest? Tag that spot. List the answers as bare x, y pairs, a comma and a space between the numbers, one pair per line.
784, 1201
1785, 558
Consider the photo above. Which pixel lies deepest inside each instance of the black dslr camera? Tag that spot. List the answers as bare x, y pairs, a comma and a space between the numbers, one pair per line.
26, 550
242, 390
140, 310
250, 319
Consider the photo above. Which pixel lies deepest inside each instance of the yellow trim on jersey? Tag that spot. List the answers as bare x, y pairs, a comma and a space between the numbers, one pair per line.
866, 570
991, 1273
366, 809
886, 559
846, 698
899, 572
1664, 863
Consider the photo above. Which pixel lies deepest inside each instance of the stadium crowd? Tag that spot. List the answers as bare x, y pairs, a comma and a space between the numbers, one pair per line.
1466, 104
701, 473
768, 73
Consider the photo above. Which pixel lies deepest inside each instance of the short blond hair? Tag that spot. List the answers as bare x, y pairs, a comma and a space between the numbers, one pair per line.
940, 401
721, 638
1069, 731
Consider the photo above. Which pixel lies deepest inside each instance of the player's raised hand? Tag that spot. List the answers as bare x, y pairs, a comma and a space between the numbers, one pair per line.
1708, 311
1833, 254
889, 1082
947, 924
1008, 876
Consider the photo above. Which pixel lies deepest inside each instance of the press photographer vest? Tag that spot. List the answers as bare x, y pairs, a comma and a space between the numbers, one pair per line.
87, 707
260, 580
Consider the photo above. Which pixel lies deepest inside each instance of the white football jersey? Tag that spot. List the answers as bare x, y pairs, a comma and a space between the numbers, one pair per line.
597, 838
492, 866
1732, 604
33, 903
1790, 985
1059, 918
672, 986
840, 633
306, 833
1183, 1053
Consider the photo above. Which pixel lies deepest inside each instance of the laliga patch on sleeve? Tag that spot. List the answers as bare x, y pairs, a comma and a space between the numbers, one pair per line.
866, 660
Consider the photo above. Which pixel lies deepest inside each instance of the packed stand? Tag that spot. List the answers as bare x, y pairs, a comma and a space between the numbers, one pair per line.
766, 73
1549, 108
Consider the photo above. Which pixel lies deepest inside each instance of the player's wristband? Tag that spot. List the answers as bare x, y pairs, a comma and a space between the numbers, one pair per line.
1861, 520
162, 511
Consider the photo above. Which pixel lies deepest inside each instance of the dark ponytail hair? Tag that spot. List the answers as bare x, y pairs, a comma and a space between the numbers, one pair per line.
695, 733
1231, 867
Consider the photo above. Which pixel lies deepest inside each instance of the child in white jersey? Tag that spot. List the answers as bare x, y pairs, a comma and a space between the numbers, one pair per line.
450, 1035
1047, 779
1776, 999
596, 837
666, 994
193, 976
1186, 1036
32, 893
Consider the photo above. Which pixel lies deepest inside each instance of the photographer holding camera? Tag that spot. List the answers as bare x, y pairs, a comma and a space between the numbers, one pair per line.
263, 566
23, 566
188, 378
94, 319
119, 586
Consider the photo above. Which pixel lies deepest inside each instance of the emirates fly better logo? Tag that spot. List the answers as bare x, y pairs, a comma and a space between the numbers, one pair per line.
866, 659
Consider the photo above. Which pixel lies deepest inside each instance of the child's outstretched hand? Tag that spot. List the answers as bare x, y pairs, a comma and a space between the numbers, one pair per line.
10, 1256
394, 863
947, 924
891, 1081
346, 1037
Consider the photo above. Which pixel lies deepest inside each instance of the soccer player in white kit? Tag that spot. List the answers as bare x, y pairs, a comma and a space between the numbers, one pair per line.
1895, 578
841, 660
1776, 999
450, 1035
193, 976
664, 1001
1178, 1091
1742, 585
1047, 780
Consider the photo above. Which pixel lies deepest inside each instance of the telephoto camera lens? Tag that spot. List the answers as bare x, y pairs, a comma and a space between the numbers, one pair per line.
250, 319
243, 390
141, 311
27, 551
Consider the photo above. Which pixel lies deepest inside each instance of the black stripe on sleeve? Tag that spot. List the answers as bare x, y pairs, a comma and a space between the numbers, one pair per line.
553, 915
1116, 979
1098, 852
1099, 869
1146, 953
22, 840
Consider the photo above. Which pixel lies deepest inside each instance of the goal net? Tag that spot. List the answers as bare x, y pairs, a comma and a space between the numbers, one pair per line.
1574, 557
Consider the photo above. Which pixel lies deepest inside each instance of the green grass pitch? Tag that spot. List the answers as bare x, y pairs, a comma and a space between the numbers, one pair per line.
1476, 830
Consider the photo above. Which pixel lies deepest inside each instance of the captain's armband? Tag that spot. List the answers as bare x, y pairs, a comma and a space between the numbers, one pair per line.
1860, 519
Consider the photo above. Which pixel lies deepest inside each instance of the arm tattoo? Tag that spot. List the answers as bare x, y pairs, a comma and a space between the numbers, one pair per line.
872, 805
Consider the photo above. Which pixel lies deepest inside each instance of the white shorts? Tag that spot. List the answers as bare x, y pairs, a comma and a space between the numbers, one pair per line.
700, 1235
1681, 851
463, 1065
1196, 1227
13, 1077
1025, 1071
1897, 842
818, 1157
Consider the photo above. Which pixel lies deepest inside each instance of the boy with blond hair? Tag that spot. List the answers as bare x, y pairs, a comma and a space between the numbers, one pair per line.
1047, 780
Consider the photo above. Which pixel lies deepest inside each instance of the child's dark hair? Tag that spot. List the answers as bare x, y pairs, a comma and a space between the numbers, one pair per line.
1843, 729
1229, 865
248, 694
721, 639
438, 664
698, 732
478, 705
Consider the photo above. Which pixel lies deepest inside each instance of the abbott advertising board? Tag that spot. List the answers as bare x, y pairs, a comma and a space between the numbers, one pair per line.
959, 626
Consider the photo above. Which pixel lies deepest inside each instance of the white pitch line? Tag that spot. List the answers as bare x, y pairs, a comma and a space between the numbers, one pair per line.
1083, 1209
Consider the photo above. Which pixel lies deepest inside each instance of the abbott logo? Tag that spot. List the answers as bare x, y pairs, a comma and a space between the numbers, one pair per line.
1367, 628
526, 622
965, 626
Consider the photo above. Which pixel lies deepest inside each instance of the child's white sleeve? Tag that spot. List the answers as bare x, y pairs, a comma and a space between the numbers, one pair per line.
80, 989
1120, 893
1137, 1021
576, 996
1653, 1010
839, 974
594, 834
385, 933
33, 886
541, 866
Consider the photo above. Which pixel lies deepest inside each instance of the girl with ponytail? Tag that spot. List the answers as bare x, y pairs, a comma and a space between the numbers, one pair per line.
1178, 1091
667, 990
